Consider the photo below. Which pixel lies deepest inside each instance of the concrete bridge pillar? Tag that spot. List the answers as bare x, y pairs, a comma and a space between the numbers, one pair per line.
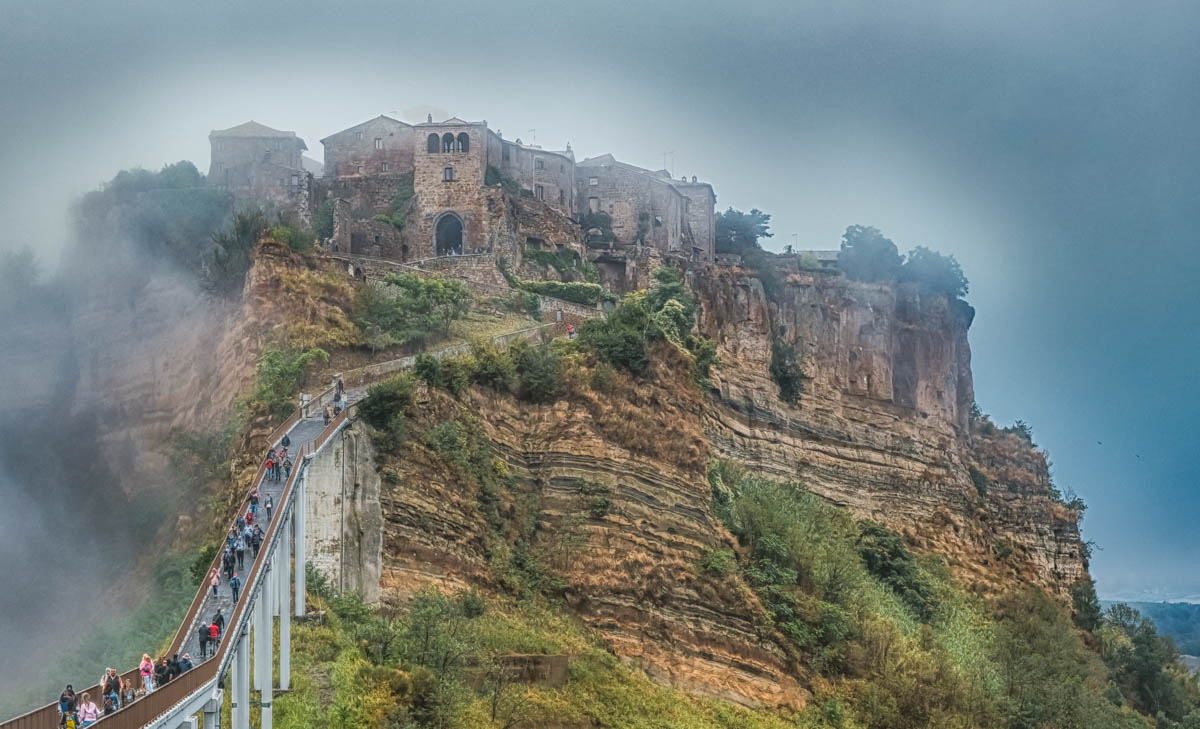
212, 711
241, 683
283, 555
300, 511
264, 644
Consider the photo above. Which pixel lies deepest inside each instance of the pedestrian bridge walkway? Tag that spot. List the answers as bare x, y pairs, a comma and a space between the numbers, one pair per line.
268, 586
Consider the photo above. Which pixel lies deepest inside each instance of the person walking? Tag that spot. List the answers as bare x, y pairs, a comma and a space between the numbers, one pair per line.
202, 635
161, 674
214, 637
66, 704
328, 414
239, 548
249, 519
88, 712
269, 503
227, 562
146, 669
111, 687
128, 694
109, 707
254, 502
185, 663
269, 468
286, 441
214, 579
235, 584
257, 539
287, 467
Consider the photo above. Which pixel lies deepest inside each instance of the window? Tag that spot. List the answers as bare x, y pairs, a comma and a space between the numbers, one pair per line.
358, 136
434, 144
504, 154
447, 143
593, 204
384, 166
539, 164
539, 192
448, 174
593, 181
464, 142
562, 198
378, 142
360, 169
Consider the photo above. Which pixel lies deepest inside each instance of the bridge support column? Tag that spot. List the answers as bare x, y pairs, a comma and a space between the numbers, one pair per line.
264, 645
262, 631
241, 683
283, 555
212, 711
301, 513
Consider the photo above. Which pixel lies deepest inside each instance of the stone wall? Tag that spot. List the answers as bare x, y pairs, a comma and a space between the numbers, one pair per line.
553, 182
464, 196
631, 197
355, 151
701, 218
367, 196
344, 527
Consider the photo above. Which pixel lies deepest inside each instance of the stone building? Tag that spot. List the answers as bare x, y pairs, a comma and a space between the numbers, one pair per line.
701, 215
548, 175
260, 164
648, 208
381, 146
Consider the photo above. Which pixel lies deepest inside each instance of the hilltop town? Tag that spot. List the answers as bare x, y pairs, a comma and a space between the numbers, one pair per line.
409, 192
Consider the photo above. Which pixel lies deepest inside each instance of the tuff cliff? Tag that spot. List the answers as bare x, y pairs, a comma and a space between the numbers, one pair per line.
884, 425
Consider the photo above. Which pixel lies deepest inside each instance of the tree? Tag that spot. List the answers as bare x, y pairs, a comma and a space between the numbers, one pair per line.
738, 231
1086, 611
866, 255
411, 309
940, 273
226, 270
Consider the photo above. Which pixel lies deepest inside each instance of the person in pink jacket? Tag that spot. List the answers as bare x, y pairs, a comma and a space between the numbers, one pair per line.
147, 671
214, 579
88, 712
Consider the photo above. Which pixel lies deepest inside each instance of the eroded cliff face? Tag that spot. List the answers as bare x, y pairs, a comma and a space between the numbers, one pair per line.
629, 560
884, 424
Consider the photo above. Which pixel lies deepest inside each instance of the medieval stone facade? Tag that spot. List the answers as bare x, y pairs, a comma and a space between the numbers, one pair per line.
260, 164
412, 192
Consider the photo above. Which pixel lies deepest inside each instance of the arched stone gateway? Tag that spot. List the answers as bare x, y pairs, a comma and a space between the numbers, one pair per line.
448, 235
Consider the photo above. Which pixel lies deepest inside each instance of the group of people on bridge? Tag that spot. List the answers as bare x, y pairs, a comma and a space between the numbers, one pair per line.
77, 711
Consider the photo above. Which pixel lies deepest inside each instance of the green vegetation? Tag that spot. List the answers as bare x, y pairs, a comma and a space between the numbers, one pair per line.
384, 408
623, 338
298, 240
439, 664
323, 220
280, 373
411, 309
866, 255
493, 177
979, 479
739, 232
577, 292
1178, 620
169, 215
900, 645
226, 270
598, 220
786, 371
567, 262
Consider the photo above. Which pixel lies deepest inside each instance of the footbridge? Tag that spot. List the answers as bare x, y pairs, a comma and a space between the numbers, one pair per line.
273, 586
273, 591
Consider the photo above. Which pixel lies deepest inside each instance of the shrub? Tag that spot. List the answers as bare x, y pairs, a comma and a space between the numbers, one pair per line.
979, 479
785, 371
387, 399
935, 271
578, 292
280, 374
429, 369
1085, 606
494, 367
541, 374
458, 373
718, 561
866, 255
323, 220
886, 558
299, 241
411, 309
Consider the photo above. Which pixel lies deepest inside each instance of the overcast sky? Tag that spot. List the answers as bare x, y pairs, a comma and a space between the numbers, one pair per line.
1054, 151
